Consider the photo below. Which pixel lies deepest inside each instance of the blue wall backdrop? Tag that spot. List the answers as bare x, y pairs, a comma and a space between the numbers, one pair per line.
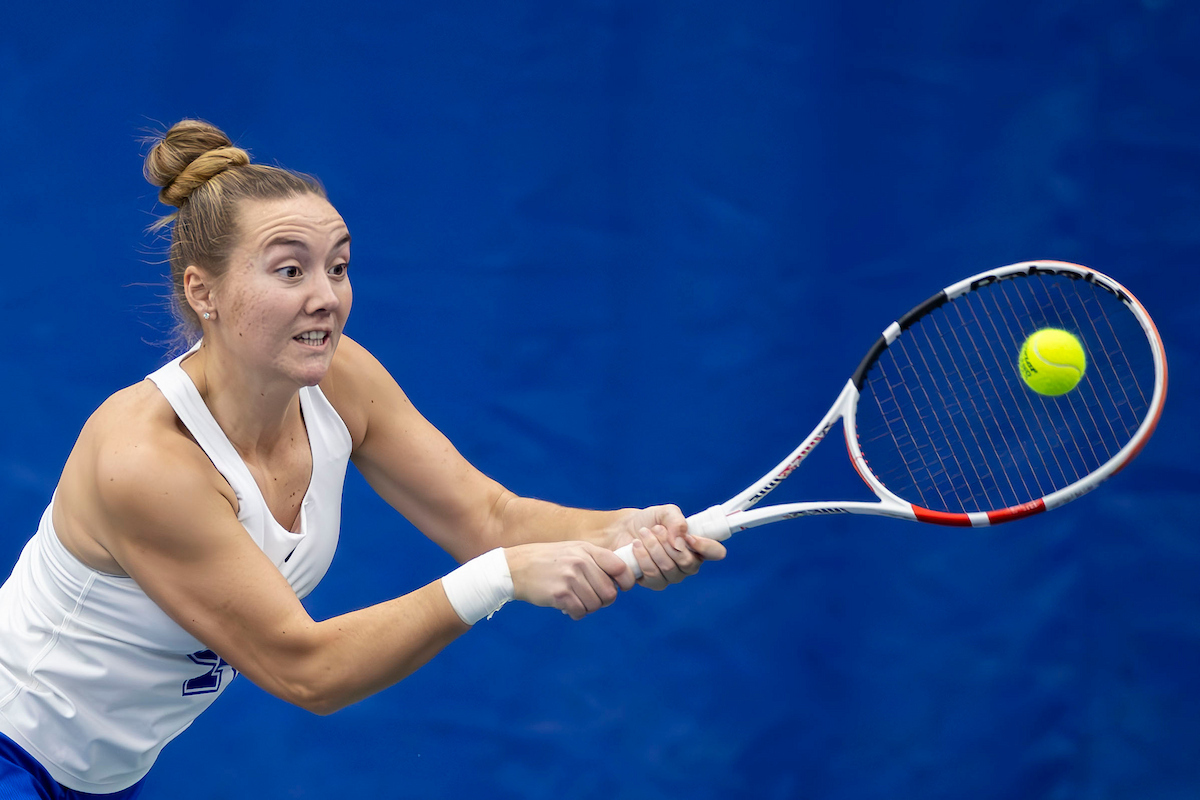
624, 253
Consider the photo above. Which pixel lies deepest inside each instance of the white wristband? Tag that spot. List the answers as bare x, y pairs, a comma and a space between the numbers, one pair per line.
479, 587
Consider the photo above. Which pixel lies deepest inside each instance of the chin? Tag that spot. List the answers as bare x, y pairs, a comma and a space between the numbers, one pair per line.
304, 374
311, 375
312, 368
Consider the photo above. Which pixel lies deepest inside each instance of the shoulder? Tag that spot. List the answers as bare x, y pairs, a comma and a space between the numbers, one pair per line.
359, 386
134, 471
135, 418
134, 447
353, 366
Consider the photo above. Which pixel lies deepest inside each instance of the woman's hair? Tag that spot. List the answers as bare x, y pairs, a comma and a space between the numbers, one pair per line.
205, 178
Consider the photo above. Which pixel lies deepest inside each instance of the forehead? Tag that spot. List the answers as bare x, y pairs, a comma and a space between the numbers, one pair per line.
305, 217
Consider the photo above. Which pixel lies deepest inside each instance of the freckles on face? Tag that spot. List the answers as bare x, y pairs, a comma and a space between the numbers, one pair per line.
249, 308
262, 318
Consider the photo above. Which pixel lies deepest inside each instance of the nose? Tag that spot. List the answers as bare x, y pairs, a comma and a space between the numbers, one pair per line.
324, 297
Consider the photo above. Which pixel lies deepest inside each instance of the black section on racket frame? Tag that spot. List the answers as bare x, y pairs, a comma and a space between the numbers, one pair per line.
905, 322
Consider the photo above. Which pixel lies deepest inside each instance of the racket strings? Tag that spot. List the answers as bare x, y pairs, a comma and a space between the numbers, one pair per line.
1117, 362
902, 425
1064, 471
971, 331
951, 426
942, 422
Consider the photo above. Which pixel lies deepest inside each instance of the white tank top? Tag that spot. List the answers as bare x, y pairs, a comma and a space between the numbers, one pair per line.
94, 677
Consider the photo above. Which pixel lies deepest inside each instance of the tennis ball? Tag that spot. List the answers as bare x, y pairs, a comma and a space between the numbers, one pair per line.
1051, 361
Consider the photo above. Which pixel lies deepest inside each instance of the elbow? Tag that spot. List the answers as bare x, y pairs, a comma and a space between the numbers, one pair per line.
308, 685
314, 699
323, 707
301, 671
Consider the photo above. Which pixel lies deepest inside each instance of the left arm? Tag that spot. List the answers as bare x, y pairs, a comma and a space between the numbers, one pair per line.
666, 552
417, 471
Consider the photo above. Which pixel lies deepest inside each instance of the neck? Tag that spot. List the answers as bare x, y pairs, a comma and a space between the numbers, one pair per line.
255, 414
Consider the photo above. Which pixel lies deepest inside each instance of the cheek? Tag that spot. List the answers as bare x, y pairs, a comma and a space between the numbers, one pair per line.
253, 312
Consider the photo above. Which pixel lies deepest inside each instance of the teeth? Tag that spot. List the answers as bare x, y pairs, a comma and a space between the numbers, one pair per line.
312, 337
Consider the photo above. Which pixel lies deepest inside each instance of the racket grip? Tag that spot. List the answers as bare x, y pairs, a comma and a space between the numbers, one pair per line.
710, 523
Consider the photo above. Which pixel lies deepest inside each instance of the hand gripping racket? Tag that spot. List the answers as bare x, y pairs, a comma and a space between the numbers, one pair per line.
941, 426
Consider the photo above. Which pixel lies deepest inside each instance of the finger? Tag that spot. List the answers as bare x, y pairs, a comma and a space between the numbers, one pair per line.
652, 577
685, 561
660, 552
601, 587
614, 567
592, 585
707, 549
671, 518
672, 549
573, 608
577, 599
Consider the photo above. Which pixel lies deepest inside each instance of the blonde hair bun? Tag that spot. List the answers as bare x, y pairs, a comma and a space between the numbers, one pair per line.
207, 180
187, 156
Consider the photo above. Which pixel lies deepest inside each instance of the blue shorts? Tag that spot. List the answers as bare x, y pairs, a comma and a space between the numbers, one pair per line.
23, 778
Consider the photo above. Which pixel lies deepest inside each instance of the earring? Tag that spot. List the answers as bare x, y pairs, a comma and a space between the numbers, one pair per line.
207, 315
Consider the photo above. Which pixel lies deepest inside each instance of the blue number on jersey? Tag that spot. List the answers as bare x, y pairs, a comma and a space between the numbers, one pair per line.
211, 680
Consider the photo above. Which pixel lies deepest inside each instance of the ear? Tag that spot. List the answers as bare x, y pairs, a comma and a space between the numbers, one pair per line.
199, 289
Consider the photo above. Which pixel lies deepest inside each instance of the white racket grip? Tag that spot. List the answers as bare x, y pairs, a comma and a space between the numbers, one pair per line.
711, 523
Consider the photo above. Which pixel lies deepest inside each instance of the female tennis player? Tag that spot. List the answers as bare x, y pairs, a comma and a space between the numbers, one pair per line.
198, 506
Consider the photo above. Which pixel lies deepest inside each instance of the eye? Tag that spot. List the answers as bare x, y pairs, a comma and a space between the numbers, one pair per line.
290, 271
338, 270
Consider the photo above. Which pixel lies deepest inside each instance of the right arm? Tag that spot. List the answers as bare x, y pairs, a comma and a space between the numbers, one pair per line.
180, 539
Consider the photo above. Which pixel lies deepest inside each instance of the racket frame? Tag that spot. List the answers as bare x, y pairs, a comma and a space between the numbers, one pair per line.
738, 514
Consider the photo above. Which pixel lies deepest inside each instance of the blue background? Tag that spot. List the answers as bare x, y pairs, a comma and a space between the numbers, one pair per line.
624, 253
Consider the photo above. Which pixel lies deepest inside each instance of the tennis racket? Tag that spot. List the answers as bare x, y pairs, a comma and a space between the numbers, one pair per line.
942, 428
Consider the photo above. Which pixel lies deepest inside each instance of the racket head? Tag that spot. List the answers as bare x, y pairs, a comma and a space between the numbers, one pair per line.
944, 423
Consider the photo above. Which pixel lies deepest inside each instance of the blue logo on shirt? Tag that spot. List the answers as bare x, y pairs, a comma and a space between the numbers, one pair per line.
210, 681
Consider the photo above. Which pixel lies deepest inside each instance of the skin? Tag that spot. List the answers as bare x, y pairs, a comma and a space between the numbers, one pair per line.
138, 497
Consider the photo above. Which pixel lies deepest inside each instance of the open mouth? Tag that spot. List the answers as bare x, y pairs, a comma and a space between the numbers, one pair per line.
313, 338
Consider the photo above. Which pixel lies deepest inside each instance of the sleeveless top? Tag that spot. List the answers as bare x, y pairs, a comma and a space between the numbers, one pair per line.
94, 677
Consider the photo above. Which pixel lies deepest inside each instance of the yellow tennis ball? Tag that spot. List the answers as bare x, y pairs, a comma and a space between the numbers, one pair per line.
1052, 361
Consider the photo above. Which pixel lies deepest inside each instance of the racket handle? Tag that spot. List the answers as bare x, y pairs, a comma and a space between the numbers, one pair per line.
710, 523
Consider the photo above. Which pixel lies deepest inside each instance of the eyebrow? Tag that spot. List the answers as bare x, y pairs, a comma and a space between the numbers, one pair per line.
301, 244
286, 243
